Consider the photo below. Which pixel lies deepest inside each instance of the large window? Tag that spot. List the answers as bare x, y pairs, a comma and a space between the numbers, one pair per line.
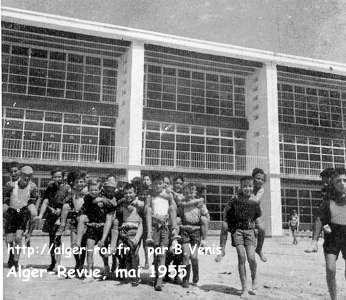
192, 91
307, 155
305, 200
169, 144
311, 102
36, 134
51, 73
195, 82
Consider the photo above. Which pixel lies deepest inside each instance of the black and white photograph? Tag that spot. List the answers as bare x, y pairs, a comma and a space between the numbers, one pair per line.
173, 149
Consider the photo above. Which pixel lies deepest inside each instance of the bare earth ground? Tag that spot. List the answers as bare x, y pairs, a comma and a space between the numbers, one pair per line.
289, 274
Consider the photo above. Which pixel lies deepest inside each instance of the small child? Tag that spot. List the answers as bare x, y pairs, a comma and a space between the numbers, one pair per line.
131, 229
51, 209
20, 198
159, 208
326, 192
258, 191
71, 208
333, 212
294, 225
191, 230
258, 176
241, 218
99, 221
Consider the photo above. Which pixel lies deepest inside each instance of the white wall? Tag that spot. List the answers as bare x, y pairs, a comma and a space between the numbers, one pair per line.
263, 139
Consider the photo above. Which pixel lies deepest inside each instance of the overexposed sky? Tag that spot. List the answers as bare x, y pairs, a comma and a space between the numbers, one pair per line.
311, 28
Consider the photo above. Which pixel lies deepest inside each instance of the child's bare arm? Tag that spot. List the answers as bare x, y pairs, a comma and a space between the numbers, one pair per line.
107, 227
193, 202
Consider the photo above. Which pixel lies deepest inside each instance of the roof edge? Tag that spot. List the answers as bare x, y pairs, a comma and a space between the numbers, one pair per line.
35, 18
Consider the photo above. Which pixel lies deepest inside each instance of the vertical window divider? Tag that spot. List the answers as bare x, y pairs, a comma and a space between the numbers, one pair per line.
101, 80
28, 73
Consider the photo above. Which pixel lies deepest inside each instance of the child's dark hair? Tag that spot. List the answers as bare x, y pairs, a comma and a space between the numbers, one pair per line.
14, 164
157, 177
327, 173
56, 171
178, 177
256, 171
129, 186
83, 173
73, 176
246, 178
338, 172
200, 188
137, 183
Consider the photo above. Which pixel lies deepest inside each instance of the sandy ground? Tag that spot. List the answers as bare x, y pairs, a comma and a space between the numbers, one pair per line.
289, 274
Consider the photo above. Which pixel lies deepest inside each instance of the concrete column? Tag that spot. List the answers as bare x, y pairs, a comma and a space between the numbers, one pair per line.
130, 100
263, 139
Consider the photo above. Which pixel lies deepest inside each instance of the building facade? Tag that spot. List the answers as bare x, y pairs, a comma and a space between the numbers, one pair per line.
116, 100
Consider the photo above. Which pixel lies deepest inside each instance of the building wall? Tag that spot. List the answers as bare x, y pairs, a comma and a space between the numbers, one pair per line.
210, 117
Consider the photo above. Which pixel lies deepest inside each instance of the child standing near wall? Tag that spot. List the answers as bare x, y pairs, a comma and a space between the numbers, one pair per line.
241, 218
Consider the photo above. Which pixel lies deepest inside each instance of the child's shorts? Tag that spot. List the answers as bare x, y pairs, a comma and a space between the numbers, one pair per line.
50, 224
16, 219
94, 233
245, 237
160, 235
335, 241
191, 236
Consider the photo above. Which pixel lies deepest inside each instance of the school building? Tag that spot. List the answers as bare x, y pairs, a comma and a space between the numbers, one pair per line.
112, 99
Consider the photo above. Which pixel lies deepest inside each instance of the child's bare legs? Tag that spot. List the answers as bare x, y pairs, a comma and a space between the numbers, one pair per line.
330, 275
204, 230
81, 228
17, 242
194, 265
186, 262
33, 216
294, 231
260, 238
241, 268
223, 240
43, 208
146, 255
114, 235
160, 260
77, 255
64, 213
90, 254
138, 235
149, 223
251, 258
10, 238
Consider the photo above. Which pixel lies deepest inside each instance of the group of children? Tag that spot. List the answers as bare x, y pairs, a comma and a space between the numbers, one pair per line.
158, 213
115, 216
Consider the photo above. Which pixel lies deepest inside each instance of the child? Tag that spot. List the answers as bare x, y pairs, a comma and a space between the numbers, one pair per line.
294, 225
100, 218
145, 191
241, 218
326, 192
258, 191
131, 229
20, 198
71, 208
51, 208
158, 209
333, 212
14, 170
190, 230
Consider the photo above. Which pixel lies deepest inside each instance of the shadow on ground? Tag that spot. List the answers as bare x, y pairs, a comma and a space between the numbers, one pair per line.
225, 289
